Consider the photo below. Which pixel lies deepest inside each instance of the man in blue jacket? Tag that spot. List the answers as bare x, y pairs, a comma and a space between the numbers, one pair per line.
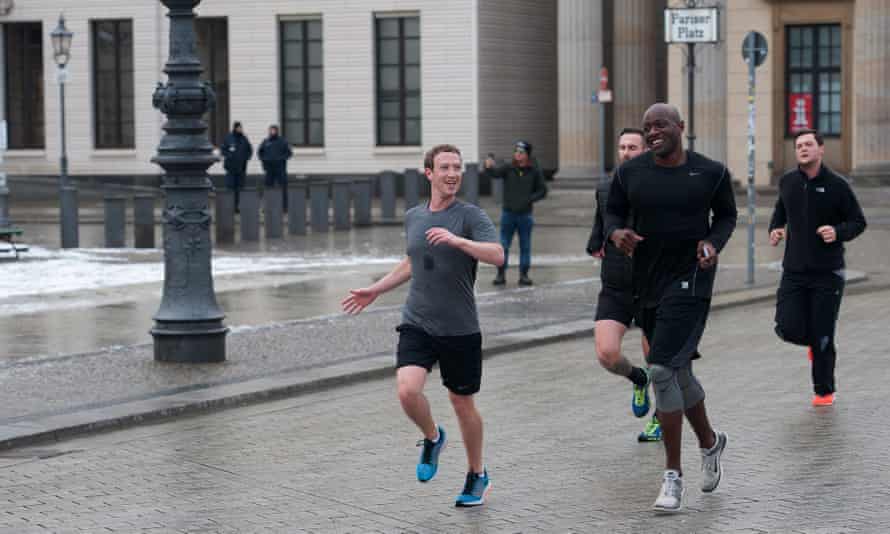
236, 151
274, 153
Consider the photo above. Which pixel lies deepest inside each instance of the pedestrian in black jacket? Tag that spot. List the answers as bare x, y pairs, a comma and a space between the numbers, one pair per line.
816, 212
683, 215
523, 186
615, 304
274, 153
236, 151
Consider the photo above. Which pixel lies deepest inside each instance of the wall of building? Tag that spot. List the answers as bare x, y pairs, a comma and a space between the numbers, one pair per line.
448, 78
518, 83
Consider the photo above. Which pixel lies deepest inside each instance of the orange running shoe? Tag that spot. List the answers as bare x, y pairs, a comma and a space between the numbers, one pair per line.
810, 354
823, 400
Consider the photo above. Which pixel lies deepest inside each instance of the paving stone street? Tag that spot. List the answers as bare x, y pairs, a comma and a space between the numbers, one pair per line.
560, 446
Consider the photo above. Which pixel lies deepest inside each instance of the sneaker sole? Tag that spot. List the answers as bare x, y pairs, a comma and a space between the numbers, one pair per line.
642, 439
473, 504
668, 511
719, 464
444, 444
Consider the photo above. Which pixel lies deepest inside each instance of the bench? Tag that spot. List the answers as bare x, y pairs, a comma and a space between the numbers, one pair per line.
8, 235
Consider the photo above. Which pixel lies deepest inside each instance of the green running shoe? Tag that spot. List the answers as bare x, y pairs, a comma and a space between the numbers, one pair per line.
652, 432
640, 402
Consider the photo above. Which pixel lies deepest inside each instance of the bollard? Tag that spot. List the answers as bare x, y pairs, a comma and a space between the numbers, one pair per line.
250, 211
115, 221
412, 188
470, 183
224, 216
144, 222
362, 192
273, 205
342, 201
69, 218
497, 190
388, 195
318, 202
296, 213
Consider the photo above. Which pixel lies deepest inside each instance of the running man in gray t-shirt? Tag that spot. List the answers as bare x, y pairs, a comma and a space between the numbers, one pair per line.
446, 239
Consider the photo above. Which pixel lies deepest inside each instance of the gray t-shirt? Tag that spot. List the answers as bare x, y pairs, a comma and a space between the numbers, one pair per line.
441, 300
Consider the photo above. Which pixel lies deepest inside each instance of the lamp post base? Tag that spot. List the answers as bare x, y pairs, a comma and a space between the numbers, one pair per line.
190, 343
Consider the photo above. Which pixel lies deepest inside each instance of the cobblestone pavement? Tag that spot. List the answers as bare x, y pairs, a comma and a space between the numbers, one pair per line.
561, 449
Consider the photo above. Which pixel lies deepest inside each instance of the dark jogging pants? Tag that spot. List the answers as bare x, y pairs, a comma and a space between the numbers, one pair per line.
807, 306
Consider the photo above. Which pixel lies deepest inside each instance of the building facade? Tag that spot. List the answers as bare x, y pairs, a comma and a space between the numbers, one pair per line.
361, 86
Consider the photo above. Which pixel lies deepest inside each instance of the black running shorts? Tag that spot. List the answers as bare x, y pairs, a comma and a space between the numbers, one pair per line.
674, 329
459, 357
614, 304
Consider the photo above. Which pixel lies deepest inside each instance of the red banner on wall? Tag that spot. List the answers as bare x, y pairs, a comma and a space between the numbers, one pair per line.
800, 112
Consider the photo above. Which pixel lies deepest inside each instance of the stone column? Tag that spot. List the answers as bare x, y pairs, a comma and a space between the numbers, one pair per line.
871, 91
580, 55
634, 73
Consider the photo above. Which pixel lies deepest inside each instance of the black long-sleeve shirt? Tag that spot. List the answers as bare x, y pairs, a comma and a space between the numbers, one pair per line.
673, 209
523, 186
616, 270
806, 204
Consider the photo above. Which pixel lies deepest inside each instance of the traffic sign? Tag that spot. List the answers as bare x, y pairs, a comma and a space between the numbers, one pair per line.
754, 46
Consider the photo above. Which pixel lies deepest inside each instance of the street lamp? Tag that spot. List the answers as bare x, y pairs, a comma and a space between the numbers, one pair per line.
189, 324
61, 39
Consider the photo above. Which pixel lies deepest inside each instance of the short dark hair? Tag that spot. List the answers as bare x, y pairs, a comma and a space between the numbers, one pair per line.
806, 131
429, 158
629, 130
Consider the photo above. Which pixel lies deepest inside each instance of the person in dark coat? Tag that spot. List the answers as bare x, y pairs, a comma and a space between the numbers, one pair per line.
236, 151
274, 153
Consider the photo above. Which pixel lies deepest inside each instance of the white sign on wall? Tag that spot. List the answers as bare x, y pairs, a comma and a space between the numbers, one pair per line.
691, 25
3, 141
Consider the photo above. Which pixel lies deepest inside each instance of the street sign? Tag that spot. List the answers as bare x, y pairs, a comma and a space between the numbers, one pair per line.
754, 46
699, 25
604, 96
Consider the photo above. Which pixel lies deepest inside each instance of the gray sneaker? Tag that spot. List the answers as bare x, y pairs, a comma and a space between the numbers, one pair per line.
710, 464
670, 499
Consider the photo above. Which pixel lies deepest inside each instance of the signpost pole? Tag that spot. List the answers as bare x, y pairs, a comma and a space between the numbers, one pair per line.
754, 51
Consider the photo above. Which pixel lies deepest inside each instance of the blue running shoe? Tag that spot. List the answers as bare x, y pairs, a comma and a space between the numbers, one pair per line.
429, 457
640, 401
475, 490
652, 432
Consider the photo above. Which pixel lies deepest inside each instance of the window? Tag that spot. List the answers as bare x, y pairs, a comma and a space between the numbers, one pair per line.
113, 83
302, 82
213, 51
24, 85
398, 80
813, 79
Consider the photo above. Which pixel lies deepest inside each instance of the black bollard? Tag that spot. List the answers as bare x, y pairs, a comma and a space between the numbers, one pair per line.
296, 213
144, 221
412, 188
115, 221
342, 200
250, 211
318, 201
272, 212
362, 192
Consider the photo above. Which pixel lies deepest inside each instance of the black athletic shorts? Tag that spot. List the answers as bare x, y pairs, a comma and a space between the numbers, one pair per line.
615, 304
459, 357
674, 329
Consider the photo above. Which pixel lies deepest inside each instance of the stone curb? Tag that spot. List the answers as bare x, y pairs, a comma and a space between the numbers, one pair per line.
200, 401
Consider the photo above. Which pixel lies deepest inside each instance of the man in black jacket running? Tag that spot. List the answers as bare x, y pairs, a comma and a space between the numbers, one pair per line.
816, 212
683, 215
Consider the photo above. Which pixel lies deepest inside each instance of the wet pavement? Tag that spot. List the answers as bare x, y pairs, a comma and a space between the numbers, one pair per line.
560, 447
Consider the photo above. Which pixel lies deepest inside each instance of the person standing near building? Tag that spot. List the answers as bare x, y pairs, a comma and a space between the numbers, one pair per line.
523, 186
683, 215
236, 151
274, 153
615, 304
816, 212
446, 239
